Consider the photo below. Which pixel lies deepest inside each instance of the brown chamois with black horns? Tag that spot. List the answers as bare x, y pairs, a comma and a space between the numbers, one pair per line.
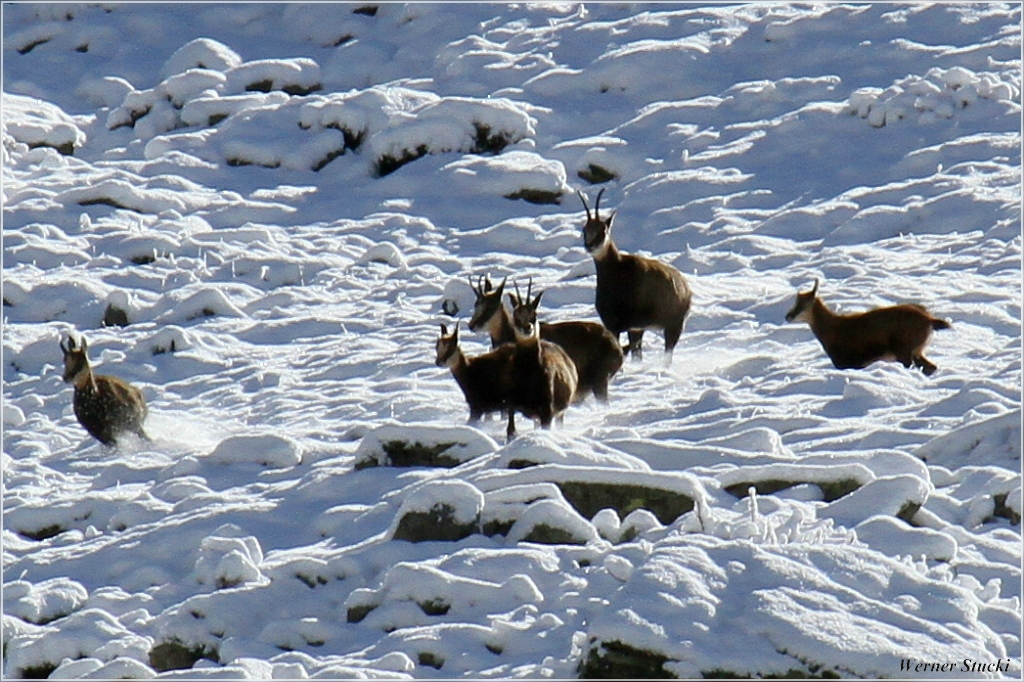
634, 293
486, 380
509, 378
489, 313
592, 348
106, 406
546, 377
855, 341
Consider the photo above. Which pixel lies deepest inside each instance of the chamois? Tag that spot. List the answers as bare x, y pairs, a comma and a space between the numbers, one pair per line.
106, 406
514, 377
634, 293
546, 377
486, 380
855, 341
592, 348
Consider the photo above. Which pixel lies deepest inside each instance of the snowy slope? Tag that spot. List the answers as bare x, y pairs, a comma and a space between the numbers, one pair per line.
259, 215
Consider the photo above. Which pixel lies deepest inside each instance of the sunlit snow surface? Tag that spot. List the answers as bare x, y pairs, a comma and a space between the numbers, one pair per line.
237, 188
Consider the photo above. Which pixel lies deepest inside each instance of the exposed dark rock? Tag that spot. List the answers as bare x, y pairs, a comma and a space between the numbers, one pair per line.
404, 454
37, 672
438, 524
433, 660
595, 174
588, 498
31, 46
44, 533
830, 491
435, 607
536, 196
544, 534
357, 613
114, 317
1005, 511
174, 655
615, 660
388, 164
366, 10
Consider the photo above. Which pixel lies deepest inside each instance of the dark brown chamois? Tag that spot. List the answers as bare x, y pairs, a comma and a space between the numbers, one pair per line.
546, 377
592, 348
486, 380
855, 341
106, 406
513, 377
634, 293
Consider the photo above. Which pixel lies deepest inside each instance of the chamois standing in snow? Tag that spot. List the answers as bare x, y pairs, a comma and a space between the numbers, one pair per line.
106, 406
486, 380
855, 341
523, 376
592, 348
546, 378
634, 293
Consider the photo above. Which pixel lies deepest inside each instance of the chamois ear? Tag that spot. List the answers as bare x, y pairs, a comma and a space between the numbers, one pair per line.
608, 220
444, 329
814, 289
487, 284
455, 332
84, 345
501, 287
536, 301
63, 348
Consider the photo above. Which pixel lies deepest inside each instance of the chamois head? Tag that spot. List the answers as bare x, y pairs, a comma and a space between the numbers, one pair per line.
488, 301
804, 304
76, 359
447, 346
524, 311
597, 233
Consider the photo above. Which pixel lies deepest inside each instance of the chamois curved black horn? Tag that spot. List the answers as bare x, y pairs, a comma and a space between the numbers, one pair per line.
814, 289
597, 205
584, 200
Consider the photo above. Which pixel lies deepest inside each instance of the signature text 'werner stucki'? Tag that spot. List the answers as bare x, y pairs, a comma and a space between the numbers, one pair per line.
967, 665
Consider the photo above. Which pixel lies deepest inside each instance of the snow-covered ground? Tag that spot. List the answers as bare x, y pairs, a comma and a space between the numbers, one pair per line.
280, 201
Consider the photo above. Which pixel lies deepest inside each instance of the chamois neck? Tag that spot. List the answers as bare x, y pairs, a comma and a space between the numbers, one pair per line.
85, 381
606, 253
822, 317
500, 327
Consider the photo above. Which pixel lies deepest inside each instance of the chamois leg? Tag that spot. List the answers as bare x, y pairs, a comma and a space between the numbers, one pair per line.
510, 432
926, 365
636, 337
906, 359
672, 333
601, 390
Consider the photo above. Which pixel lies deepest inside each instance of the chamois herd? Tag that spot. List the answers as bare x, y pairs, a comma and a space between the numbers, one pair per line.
538, 368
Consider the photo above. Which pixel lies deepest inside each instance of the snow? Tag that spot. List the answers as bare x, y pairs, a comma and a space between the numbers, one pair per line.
286, 201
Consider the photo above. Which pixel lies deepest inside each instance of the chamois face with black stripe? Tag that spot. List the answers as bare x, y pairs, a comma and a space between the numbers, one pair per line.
447, 347
524, 310
488, 302
803, 309
597, 233
76, 362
